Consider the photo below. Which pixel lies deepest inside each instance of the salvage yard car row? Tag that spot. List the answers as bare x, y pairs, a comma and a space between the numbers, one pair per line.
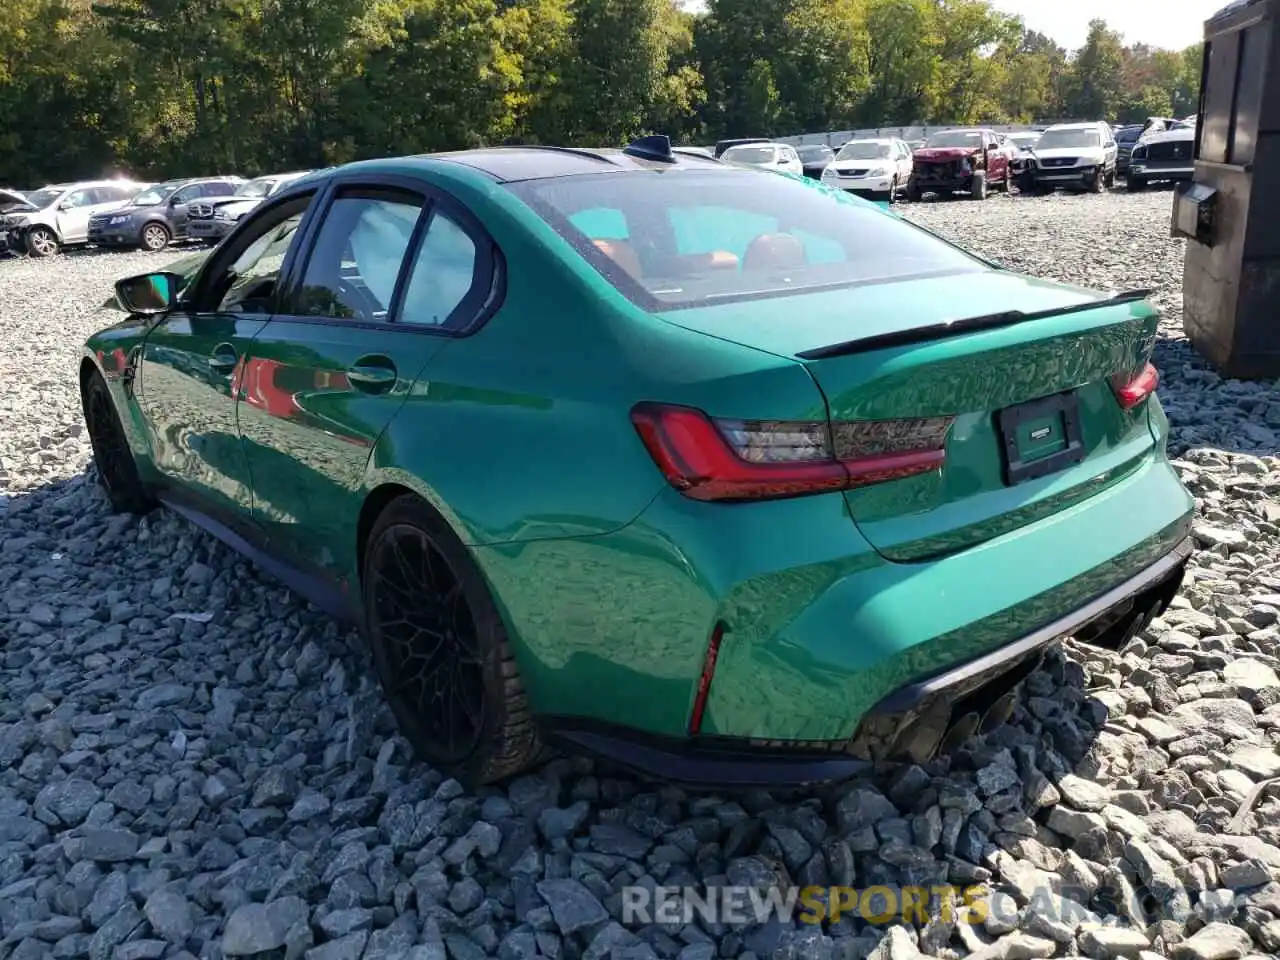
976, 161
126, 214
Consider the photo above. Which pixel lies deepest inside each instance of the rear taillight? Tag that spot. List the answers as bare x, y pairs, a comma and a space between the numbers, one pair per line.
1131, 389
710, 459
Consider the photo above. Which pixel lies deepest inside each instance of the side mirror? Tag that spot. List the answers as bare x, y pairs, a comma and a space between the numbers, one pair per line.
148, 293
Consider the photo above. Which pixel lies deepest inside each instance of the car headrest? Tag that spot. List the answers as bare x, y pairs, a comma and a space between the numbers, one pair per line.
772, 251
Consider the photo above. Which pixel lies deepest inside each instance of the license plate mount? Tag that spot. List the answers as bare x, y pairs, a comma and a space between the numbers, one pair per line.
1040, 437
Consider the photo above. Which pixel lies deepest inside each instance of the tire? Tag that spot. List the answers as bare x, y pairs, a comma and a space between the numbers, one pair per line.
913, 191
1098, 183
1111, 180
155, 237
979, 188
117, 470
1135, 184
893, 190
1006, 185
42, 242
446, 595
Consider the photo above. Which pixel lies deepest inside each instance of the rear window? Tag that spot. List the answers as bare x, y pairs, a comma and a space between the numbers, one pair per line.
698, 237
749, 155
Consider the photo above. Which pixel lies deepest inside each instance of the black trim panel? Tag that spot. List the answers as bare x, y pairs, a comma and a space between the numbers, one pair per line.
951, 328
320, 592
713, 762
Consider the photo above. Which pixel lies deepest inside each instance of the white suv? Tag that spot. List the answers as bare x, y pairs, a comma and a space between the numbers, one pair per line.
768, 156
1073, 155
58, 215
879, 168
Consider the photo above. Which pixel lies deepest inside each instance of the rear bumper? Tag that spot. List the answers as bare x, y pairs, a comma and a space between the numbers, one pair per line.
727, 761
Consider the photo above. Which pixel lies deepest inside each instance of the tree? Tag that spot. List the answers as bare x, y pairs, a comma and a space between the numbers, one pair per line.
1095, 81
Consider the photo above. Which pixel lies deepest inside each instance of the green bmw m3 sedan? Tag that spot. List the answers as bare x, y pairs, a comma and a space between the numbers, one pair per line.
720, 473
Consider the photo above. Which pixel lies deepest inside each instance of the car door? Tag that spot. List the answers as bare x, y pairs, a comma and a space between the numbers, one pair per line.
192, 366
178, 208
388, 264
73, 213
997, 162
903, 162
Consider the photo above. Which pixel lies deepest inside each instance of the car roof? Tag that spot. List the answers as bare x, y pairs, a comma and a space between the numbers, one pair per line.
515, 164
869, 140
1093, 125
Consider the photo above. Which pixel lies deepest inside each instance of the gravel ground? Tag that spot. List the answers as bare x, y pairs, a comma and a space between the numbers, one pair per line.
174, 784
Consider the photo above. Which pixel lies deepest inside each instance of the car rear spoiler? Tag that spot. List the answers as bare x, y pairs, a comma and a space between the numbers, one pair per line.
949, 328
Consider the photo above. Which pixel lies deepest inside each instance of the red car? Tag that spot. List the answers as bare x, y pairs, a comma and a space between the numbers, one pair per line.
969, 160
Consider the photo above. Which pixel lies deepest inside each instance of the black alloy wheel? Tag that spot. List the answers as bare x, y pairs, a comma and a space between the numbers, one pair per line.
441, 649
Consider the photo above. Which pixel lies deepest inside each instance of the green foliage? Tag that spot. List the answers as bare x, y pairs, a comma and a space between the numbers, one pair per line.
161, 88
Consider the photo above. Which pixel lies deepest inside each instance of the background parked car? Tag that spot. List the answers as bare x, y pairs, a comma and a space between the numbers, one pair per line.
212, 218
156, 217
723, 145
771, 156
1126, 139
1168, 155
1073, 155
815, 157
879, 168
961, 159
58, 215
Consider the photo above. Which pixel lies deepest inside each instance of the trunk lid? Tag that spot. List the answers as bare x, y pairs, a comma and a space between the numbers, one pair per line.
1007, 462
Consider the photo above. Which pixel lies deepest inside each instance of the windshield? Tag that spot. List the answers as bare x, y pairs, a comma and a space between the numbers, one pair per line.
955, 138
158, 194
864, 150
255, 188
701, 237
1024, 139
1053, 139
749, 155
1129, 135
42, 198
813, 153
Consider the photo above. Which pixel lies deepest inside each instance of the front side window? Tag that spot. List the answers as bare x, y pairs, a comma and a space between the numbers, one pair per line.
352, 270
699, 237
78, 198
252, 277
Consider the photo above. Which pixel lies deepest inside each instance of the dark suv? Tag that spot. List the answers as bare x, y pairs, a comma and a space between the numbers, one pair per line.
156, 217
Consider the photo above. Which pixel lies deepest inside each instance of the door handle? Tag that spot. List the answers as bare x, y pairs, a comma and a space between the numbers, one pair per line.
372, 374
224, 358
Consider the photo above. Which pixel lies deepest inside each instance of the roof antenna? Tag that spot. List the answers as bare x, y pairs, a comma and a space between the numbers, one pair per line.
653, 147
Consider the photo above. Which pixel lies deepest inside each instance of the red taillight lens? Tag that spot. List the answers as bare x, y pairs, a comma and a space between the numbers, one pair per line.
710, 459
1131, 390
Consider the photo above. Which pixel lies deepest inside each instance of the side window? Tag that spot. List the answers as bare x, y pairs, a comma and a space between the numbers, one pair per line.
601, 223
187, 194
444, 272
220, 188
353, 267
252, 277
78, 198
